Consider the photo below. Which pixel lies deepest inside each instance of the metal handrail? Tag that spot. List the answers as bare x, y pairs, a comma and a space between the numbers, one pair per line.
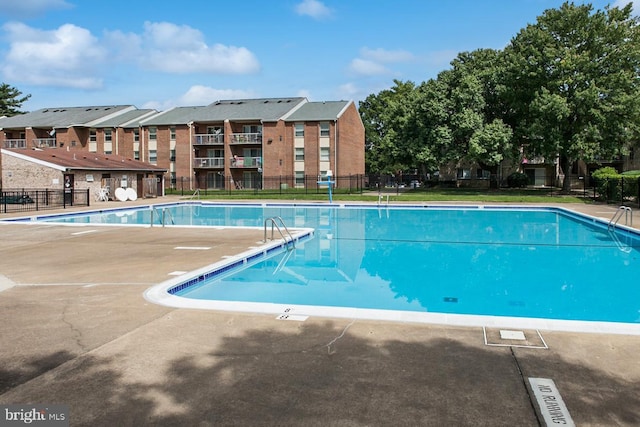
628, 217
196, 194
164, 213
274, 224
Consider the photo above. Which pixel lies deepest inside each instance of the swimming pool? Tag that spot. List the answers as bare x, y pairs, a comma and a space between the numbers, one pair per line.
538, 267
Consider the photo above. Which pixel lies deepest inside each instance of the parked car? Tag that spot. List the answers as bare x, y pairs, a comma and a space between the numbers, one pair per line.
16, 199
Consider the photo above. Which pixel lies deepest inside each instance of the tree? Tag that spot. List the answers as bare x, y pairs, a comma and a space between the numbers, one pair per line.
571, 82
384, 117
460, 111
11, 100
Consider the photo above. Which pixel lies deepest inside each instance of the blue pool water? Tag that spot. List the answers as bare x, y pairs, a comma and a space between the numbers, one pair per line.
535, 263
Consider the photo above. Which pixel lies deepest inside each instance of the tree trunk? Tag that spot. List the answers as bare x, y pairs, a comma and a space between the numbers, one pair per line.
567, 167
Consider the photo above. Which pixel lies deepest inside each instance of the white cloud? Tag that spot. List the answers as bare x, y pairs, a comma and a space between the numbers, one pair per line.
371, 62
29, 8
313, 8
181, 49
365, 67
200, 95
68, 56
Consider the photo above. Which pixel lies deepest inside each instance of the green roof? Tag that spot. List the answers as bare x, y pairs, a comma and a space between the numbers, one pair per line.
64, 117
318, 111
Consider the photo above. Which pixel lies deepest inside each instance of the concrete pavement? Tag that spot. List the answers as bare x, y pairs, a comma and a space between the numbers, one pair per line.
75, 330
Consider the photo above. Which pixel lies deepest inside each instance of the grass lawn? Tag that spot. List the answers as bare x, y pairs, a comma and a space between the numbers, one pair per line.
406, 195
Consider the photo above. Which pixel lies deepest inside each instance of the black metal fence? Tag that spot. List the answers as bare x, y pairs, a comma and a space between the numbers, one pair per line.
27, 200
257, 184
622, 190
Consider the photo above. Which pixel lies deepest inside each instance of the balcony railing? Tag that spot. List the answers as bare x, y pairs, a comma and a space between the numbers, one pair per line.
45, 143
15, 143
246, 138
536, 160
209, 162
246, 162
208, 139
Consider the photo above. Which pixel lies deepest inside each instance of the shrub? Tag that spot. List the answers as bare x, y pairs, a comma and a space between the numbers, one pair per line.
612, 185
517, 180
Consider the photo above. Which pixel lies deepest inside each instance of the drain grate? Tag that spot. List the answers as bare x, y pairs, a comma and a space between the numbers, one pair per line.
529, 338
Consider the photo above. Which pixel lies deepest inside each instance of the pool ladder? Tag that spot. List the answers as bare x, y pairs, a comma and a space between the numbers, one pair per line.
278, 224
628, 217
164, 214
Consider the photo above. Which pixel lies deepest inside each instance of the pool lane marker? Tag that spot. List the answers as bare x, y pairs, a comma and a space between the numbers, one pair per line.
287, 315
78, 233
193, 248
550, 403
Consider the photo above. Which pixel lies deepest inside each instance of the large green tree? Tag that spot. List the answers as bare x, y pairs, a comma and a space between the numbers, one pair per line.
11, 100
459, 113
384, 116
572, 84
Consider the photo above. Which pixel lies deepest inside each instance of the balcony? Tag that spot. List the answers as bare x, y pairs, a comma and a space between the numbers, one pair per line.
246, 138
246, 162
208, 139
209, 162
535, 160
15, 143
44, 143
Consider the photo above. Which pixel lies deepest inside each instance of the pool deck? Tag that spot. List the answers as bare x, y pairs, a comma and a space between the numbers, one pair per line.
76, 330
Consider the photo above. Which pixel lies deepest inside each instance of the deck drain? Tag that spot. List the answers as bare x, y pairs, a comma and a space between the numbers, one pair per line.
513, 338
512, 335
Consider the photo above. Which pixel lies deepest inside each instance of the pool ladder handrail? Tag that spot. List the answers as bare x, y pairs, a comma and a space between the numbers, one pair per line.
195, 195
164, 213
628, 217
274, 220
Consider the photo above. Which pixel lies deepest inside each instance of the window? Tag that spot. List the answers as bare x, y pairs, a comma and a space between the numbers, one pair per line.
153, 156
324, 129
251, 129
324, 154
299, 129
299, 154
93, 141
172, 131
172, 155
136, 155
107, 135
483, 173
463, 173
153, 133
300, 179
136, 135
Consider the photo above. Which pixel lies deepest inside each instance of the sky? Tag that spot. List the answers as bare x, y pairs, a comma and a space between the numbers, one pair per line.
163, 54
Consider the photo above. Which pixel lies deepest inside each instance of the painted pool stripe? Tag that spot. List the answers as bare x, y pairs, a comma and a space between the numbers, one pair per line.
551, 405
83, 232
193, 248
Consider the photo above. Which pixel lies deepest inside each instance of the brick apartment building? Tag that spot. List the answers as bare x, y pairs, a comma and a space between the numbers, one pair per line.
227, 144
